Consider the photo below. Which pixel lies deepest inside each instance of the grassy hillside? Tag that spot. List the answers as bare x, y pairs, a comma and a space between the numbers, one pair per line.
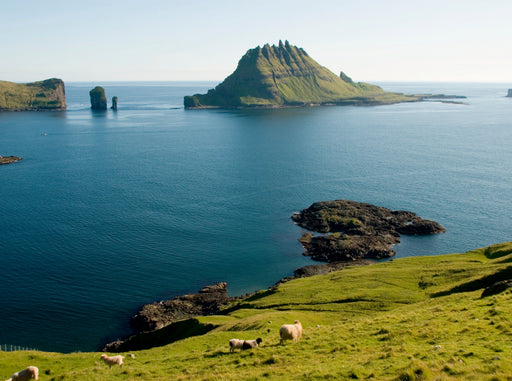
419, 318
286, 75
42, 95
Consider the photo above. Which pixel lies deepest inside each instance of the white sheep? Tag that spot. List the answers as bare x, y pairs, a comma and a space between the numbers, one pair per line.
112, 360
291, 332
26, 374
243, 344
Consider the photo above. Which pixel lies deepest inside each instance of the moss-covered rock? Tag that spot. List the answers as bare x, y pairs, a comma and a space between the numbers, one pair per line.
284, 76
49, 94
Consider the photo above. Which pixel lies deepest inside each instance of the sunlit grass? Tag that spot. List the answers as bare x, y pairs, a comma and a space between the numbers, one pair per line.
379, 322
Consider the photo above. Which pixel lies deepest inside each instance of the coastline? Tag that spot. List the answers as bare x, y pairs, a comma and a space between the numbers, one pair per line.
356, 233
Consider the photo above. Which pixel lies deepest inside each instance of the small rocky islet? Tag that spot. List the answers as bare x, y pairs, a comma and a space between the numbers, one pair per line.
9, 159
351, 230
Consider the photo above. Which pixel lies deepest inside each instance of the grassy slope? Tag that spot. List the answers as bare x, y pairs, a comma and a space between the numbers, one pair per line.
378, 322
41, 95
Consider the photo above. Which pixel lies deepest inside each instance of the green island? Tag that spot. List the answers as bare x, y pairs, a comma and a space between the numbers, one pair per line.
442, 317
286, 76
34, 96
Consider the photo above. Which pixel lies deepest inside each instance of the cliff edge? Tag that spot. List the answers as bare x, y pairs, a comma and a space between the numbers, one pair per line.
49, 94
286, 76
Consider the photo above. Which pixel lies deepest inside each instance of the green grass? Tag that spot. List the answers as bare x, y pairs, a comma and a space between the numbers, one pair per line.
418, 318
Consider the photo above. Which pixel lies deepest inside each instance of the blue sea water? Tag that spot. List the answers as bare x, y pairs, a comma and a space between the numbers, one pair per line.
111, 210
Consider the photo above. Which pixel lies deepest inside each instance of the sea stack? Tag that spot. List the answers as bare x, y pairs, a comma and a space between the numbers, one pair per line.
114, 103
98, 99
509, 95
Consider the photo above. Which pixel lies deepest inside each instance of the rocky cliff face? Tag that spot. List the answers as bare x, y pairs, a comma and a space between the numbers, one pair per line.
49, 94
509, 94
283, 75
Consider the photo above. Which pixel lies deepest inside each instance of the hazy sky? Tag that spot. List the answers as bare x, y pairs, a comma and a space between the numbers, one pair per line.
381, 40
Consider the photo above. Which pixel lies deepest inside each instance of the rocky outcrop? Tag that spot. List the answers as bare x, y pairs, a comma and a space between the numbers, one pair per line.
47, 95
509, 94
207, 301
9, 159
114, 103
353, 230
286, 76
98, 99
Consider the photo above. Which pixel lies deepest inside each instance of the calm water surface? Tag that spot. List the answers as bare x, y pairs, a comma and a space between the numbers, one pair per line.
108, 211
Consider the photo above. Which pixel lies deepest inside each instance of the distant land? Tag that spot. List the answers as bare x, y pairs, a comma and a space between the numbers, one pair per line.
286, 76
34, 96
9, 159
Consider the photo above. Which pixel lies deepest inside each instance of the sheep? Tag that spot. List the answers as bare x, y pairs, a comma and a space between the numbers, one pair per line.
25, 374
112, 360
243, 344
290, 332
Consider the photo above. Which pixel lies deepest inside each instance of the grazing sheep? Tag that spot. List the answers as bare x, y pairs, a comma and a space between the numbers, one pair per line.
112, 360
290, 332
243, 344
26, 374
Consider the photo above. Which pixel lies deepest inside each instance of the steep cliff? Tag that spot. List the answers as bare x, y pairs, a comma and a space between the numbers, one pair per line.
285, 75
42, 95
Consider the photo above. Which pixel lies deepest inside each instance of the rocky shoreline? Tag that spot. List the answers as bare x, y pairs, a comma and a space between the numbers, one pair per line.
351, 234
9, 159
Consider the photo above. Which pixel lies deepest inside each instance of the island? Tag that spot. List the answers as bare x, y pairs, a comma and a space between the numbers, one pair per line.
352, 230
44, 95
286, 76
9, 159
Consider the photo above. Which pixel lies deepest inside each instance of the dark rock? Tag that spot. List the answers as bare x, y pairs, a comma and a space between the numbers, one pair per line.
98, 99
9, 159
497, 287
509, 94
357, 230
157, 315
114, 103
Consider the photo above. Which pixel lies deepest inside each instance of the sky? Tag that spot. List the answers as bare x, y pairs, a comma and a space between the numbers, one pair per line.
174, 40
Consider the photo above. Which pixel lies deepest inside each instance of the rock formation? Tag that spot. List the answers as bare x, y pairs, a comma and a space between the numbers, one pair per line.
44, 95
509, 94
114, 103
98, 98
353, 230
284, 76
9, 159
159, 314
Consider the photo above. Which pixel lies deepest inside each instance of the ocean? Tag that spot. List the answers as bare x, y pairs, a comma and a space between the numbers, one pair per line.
110, 210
